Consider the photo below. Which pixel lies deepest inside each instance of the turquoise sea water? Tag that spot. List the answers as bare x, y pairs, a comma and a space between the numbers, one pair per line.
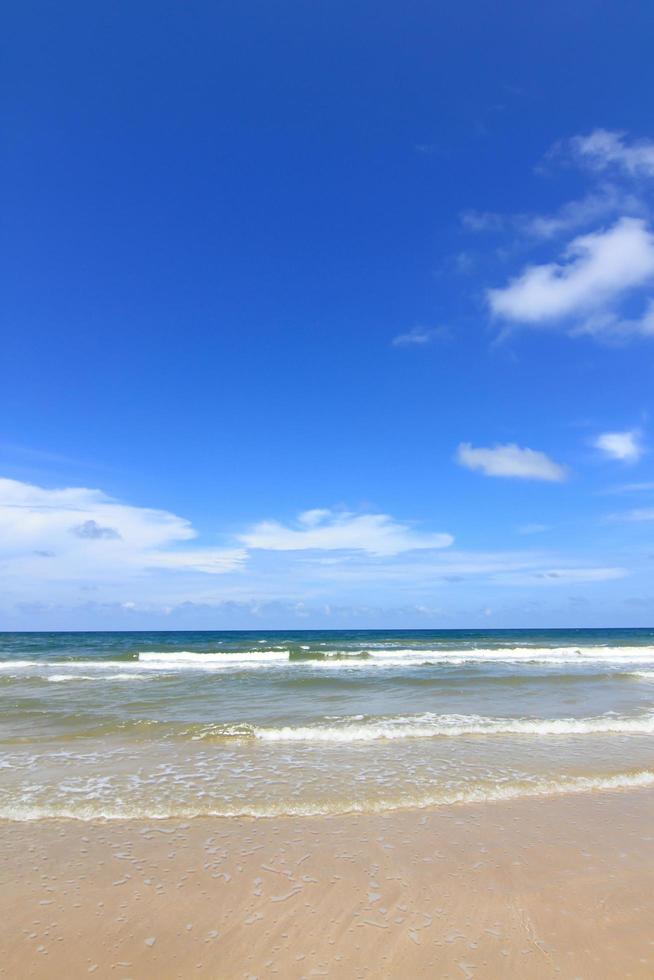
114, 725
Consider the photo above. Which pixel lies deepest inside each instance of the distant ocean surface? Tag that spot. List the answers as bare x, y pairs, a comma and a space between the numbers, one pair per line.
154, 725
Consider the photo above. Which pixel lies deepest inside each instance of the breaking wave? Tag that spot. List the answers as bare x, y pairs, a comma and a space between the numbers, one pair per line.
427, 725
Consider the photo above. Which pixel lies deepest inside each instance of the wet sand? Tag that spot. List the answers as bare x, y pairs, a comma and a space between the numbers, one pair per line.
562, 887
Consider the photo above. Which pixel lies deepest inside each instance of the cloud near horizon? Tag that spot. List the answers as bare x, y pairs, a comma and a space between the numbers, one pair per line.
132, 563
565, 576
79, 530
510, 461
327, 530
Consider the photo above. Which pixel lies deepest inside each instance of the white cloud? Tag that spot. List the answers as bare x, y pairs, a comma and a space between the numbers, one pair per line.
326, 530
602, 283
624, 446
510, 461
418, 337
28, 512
599, 269
83, 532
77, 558
605, 148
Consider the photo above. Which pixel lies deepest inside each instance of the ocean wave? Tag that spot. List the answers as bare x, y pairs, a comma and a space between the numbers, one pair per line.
351, 729
519, 654
365, 658
487, 793
427, 725
355, 658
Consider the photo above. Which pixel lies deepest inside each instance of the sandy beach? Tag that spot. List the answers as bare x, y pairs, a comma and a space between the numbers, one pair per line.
560, 887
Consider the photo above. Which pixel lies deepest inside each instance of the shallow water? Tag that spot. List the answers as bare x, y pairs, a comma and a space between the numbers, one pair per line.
177, 724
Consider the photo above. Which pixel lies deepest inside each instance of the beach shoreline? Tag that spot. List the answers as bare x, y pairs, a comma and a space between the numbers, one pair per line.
540, 887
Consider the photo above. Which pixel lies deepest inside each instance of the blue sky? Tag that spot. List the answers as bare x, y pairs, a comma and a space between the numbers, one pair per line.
327, 315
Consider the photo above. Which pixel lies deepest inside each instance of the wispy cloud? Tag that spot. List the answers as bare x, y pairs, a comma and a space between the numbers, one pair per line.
209, 561
637, 515
603, 149
453, 568
533, 528
603, 202
327, 530
627, 488
419, 337
484, 221
624, 446
565, 576
511, 461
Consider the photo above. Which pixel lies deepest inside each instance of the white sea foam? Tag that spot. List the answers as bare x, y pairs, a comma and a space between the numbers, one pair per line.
188, 659
158, 663
428, 725
518, 654
350, 659
363, 659
486, 793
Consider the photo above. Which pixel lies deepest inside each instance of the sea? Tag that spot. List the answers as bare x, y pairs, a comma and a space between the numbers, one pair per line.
154, 725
